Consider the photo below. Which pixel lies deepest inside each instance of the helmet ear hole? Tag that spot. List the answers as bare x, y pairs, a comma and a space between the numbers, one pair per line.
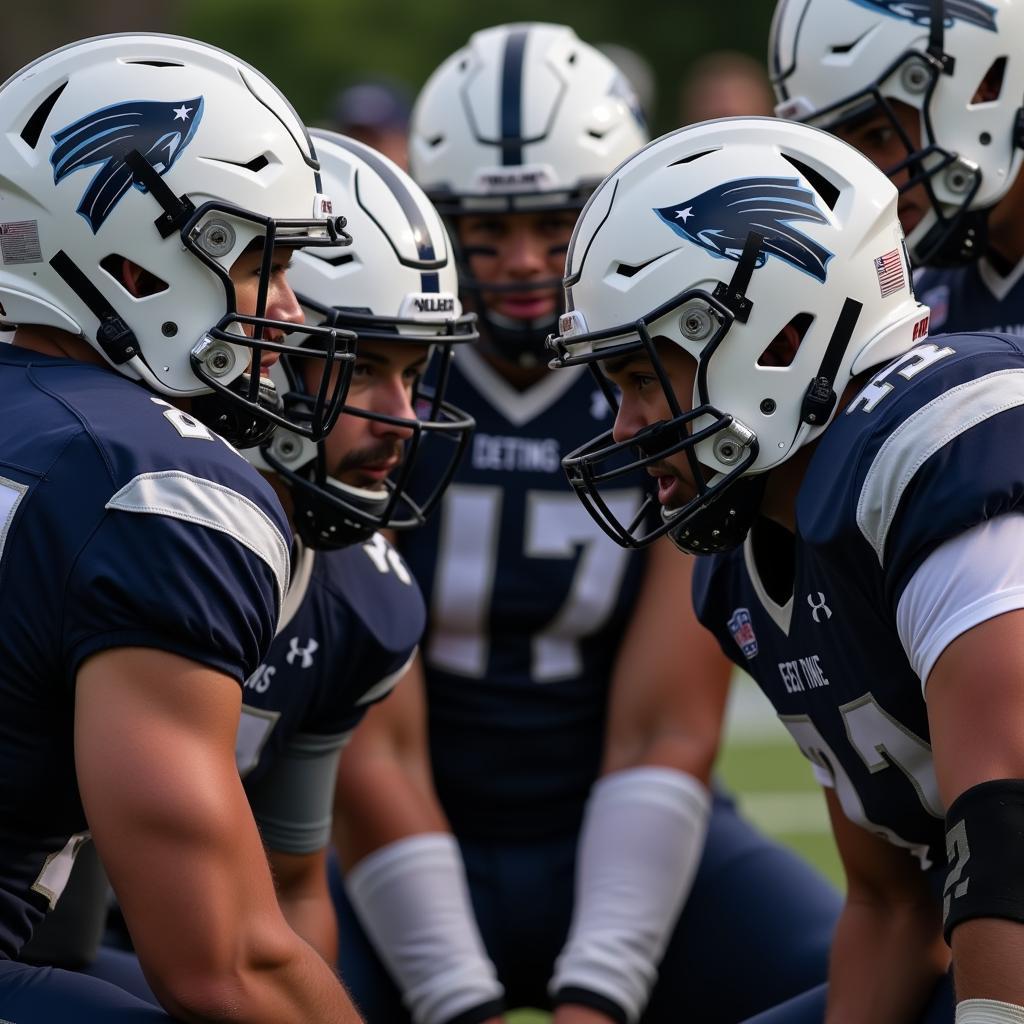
143, 282
990, 87
782, 349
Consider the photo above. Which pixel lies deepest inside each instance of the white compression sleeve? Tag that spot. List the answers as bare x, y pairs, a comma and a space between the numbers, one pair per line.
639, 848
988, 1011
412, 898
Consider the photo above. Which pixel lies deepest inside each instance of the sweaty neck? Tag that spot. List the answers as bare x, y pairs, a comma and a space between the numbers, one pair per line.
784, 482
1006, 227
284, 494
60, 344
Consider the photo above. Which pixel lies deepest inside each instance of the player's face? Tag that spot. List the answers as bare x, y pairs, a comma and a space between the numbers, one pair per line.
643, 401
518, 248
877, 137
364, 452
281, 301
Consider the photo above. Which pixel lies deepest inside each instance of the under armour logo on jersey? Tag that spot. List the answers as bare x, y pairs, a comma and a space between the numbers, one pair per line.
819, 606
920, 11
306, 653
158, 130
721, 219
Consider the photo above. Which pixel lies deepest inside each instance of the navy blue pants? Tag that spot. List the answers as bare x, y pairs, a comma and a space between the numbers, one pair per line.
755, 931
809, 1007
49, 995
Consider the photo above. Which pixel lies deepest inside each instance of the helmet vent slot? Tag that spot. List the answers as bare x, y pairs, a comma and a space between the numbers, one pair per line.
435, 141
571, 59
596, 133
691, 158
990, 87
157, 63
782, 349
335, 261
34, 126
847, 47
256, 164
828, 192
148, 283
631, 270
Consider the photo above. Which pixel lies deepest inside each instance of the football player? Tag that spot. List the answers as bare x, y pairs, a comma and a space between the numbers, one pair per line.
931, 92
354, 614
151, 191
857, 490
564, 739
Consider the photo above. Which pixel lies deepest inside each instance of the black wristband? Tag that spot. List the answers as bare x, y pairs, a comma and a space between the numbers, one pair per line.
985, 849
478, 1014
584, 997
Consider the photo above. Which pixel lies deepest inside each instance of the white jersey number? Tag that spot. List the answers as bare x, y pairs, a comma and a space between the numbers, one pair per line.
882, 743
556, 526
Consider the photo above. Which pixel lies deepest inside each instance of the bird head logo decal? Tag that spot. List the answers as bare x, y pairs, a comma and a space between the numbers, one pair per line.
920, 11
158, 130
721, 218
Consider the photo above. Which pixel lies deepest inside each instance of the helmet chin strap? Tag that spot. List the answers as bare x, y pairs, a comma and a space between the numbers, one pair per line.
521, 342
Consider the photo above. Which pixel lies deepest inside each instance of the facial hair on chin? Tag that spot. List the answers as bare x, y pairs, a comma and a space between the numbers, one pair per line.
385, 451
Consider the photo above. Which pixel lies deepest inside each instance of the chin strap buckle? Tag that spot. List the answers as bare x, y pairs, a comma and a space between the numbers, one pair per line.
819, 401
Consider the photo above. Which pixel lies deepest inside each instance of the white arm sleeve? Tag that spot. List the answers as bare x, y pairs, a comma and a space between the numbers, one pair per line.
975, 576
412, 898
641, 842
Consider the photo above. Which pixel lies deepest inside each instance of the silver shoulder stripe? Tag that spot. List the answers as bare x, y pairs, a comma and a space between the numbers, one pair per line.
919, 437
11, 493
386, 685
192, 499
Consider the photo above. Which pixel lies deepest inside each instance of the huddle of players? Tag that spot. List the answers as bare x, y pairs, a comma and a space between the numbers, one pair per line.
905, 567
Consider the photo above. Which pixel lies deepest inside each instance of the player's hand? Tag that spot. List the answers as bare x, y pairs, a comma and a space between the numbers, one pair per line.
579, 1015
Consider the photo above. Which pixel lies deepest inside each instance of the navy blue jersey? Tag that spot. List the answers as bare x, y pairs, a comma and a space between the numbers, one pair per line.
357, 619
928, 449
528, 604
973, 298
123, 522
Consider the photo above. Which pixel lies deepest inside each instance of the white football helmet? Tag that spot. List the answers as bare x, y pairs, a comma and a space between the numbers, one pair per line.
395, 283
178, 157
525, 117
718, 237
958, 62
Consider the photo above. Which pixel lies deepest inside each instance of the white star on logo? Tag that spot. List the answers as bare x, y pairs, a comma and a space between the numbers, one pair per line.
684, 215
181, 113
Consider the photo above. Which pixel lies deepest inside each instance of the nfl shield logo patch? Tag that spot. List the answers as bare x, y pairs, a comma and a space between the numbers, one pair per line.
743, 632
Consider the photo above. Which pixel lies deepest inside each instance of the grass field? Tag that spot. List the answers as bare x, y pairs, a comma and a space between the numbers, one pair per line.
774, 785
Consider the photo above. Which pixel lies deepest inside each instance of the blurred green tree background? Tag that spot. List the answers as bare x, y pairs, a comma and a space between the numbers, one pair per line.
312, 48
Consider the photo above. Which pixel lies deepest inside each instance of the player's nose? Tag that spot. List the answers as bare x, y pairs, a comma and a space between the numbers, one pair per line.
628, 421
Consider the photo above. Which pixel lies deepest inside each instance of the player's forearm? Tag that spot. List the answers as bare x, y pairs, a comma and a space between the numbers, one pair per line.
270, 988
885, 960
312, 918
988, 958
300, 880
379, 801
